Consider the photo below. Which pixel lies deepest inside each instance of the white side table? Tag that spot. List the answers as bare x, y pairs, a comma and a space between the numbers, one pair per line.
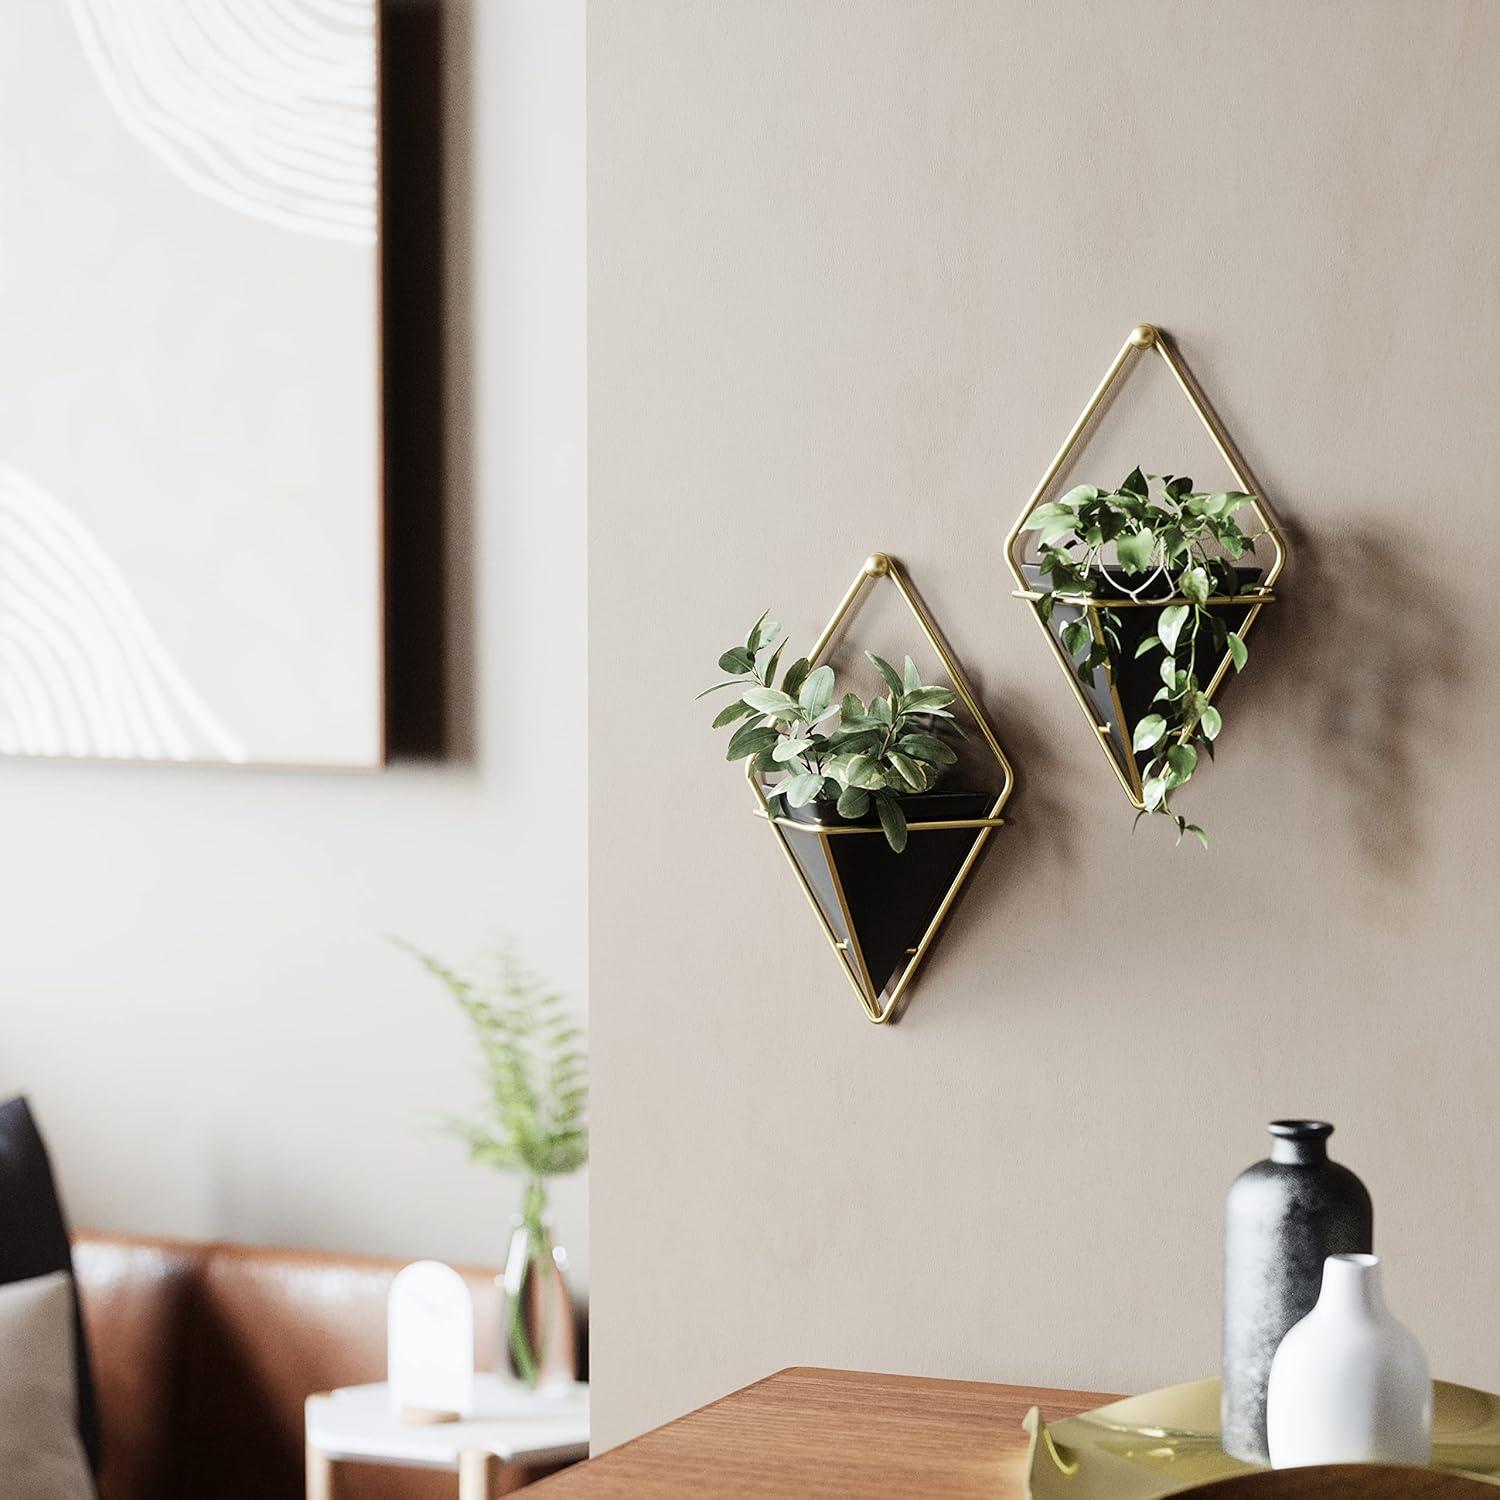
512, 1429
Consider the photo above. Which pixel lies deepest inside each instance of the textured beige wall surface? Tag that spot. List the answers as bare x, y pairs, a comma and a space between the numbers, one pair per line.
195, 988
854, 269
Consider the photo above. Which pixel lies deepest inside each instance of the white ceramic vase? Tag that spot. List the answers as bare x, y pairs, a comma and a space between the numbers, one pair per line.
1349, 1384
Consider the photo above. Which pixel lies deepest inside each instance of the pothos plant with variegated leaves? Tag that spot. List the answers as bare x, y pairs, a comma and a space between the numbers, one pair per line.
861, 755
1182, 545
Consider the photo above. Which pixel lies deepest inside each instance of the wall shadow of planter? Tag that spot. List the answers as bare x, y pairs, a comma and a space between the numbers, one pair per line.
881, 910
1117, 693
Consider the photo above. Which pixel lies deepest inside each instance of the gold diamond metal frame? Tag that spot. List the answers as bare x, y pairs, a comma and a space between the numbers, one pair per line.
1143, 338
883, 1008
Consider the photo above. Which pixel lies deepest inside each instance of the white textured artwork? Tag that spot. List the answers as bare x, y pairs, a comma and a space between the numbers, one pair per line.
266, 105
189, 381
81, 671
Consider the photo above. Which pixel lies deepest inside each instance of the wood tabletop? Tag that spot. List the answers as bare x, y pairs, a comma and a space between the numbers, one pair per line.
831, 1433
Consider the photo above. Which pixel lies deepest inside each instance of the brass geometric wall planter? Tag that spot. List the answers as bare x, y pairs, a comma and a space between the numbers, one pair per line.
1116, 695
881, 911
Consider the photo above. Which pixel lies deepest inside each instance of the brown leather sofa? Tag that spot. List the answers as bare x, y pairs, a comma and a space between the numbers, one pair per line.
204, 1353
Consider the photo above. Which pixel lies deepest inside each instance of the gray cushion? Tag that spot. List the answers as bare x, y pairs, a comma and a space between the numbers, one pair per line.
34, 1238
41, 1455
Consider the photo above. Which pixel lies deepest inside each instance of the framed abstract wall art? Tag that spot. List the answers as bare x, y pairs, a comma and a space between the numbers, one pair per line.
190, 426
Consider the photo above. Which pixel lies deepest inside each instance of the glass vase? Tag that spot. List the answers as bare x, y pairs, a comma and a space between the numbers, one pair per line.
538, 1340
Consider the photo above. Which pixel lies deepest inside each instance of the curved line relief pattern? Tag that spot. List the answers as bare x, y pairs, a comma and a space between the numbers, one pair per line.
266, 106
82, 672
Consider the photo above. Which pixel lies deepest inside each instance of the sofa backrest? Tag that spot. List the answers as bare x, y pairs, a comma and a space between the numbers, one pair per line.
204, 1354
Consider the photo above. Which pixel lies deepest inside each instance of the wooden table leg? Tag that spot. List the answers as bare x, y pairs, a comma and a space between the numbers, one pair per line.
319, 1475
478, 1471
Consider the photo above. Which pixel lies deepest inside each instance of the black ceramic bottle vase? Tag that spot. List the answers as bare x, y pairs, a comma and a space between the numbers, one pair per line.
1282, 1219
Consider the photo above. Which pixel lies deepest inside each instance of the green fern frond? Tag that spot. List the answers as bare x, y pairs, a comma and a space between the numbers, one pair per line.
534, 1067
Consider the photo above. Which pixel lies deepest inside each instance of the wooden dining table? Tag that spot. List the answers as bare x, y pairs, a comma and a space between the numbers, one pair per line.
833, 1433
851, 1435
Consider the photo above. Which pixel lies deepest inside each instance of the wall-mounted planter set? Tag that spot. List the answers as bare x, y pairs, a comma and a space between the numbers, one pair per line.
1110, 628
879, 909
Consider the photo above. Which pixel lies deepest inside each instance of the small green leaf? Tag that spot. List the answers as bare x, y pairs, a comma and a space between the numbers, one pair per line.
790, 749
927, 700
765, 700
849, 742
887, 671
1152, 793
854, 802
737, 659
1210, 721
1148, 732
800, 789
796, 675
1149, 644
1195, 586
765, 632
927, 747
851, 709
1081, 494
750, 739
911, 679
1197, 833
736, 710
1134, 483
1237, 650
860, 769
816, 694
1134, 550
908, 770
770, 673
759, 635
1052, 511
1169, 626
1182, 759
1076, 636
892, 820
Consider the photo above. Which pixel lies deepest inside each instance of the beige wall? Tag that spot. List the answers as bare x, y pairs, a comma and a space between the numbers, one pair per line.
194, 985
853, 270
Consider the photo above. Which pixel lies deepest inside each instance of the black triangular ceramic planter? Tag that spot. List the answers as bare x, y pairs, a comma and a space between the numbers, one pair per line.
1135, 681
877, 902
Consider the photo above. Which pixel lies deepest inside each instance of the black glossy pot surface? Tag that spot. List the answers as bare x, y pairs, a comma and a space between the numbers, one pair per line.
888, 899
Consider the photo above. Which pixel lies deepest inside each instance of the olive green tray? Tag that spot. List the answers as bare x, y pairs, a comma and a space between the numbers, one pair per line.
1167, 1443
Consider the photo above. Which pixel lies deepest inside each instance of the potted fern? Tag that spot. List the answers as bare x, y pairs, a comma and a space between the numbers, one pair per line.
534, 1124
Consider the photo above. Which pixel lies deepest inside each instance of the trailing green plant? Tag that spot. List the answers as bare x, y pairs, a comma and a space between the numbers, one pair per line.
860, 754
1182, 545
535, 1120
